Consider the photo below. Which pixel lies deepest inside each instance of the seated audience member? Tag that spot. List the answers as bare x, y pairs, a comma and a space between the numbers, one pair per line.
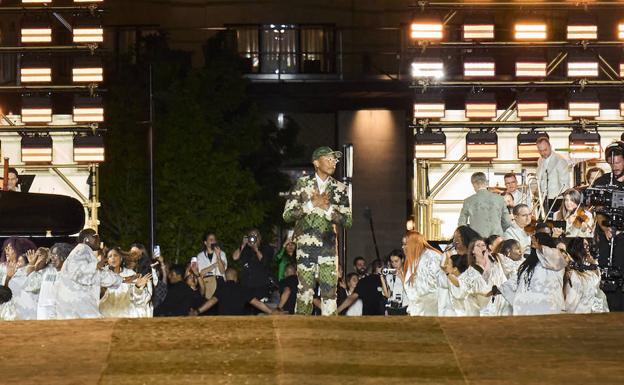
232, 297
192, 277
359, 267
7, 307
288, 290
371, 291
287, 255
355, 309
180, 299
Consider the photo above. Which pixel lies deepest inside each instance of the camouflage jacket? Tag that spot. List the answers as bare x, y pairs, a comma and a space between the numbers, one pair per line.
316, 221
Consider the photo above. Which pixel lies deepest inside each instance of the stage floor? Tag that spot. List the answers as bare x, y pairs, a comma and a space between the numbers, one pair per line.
565, 349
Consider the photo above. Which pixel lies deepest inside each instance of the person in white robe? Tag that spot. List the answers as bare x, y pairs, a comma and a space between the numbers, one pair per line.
7, 306
120, 301
538, 286
143, 306
26, 283
582, 281
421, 272
448, 304
510, 255
80, 280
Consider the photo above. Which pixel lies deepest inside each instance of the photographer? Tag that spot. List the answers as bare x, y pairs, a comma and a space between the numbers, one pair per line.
370, 290
255, 258
393, 282
614, 155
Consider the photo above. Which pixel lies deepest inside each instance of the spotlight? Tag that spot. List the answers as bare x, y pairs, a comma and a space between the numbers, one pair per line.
430, 145
530, 31
533, 105
585, 145
621, 31
584, 105
88, 109
428, 68
481, 145
427, 30
37, 149
481, 106
479, 67
36, 31
527, 150
429, 107
531, 68
478, 29
582, 29
583, 67
88, 70
35, 71
36, 109
88, 149
88, 31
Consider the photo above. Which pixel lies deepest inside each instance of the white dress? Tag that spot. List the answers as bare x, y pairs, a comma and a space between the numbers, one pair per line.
42, 283
544, 295
497, 275
25, 300
121, 301
7, 311
422, 293
472, 290
583, 294
448, 304
79, 283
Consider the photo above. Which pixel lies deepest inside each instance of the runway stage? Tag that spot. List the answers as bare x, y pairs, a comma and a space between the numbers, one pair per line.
295, 350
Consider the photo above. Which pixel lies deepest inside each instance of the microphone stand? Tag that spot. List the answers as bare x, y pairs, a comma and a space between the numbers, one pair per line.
369, 215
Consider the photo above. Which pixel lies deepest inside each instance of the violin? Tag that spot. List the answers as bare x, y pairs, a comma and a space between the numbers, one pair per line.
531, 227
581, 218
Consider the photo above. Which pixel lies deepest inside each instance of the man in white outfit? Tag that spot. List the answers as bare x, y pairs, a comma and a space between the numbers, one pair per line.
80, 279
553, 174
522, 217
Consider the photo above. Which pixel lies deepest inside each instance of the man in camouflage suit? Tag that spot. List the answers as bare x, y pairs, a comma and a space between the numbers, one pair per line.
317, 203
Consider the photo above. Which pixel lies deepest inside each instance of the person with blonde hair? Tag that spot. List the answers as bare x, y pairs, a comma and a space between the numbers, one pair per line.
420, 275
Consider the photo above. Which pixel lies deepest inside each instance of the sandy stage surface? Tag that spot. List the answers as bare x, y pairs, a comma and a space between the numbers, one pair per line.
296, 350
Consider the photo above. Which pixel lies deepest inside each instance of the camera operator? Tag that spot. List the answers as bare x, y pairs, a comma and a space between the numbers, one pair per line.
255, 258
614, 155
393, 282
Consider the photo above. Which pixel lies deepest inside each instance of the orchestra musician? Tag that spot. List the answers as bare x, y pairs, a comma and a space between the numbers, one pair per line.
579, 220
519, 195
553, 174
592, 174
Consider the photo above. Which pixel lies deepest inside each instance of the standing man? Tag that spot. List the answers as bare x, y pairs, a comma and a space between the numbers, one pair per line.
553, 175
522, 218
317, 203
511, 187
485, 212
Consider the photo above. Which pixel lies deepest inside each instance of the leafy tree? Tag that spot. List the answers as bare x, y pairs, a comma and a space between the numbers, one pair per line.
217, 158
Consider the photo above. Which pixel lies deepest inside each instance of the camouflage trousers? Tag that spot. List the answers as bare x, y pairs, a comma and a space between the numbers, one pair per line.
316, 264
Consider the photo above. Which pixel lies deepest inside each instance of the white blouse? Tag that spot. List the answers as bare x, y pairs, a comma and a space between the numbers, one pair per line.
422, 293
544, 294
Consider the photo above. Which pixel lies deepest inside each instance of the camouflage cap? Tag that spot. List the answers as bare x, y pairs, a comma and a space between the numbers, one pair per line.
324, 151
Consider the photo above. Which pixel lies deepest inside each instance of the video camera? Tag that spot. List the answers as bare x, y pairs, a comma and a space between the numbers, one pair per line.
610, 202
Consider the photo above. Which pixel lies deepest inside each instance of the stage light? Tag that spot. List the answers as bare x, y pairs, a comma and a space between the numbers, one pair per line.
481, 31
533, 105
428, 68
527, 149
35, 32
622, 108
481, 106
37, 149
531, 68
530, 31
89, 149
481, 145
86, 31
621, 69
429, 107
35, 71
427, 30
583, 67
88, 109
36, 109
621, 31
585, 146
479, 67
36, 1
430, 145
584, 105
88, 1
582, 30
88, 71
